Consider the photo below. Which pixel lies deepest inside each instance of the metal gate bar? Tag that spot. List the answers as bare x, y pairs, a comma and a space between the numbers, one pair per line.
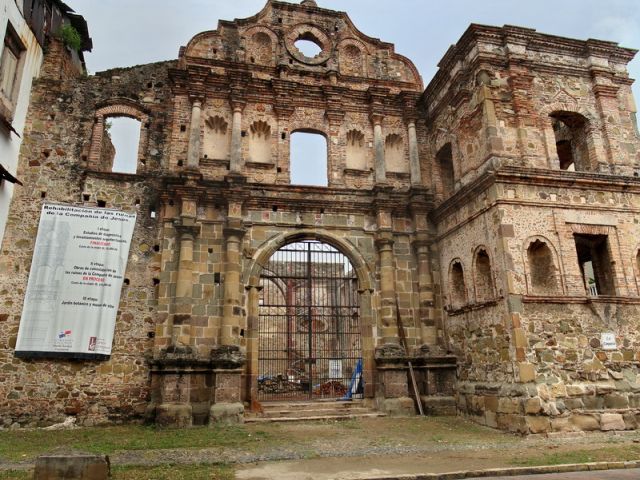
309, 324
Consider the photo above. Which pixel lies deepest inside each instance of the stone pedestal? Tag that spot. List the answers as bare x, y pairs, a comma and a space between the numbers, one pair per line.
227, 362
392, 386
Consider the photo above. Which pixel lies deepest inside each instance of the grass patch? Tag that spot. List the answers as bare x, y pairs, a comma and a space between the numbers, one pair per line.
603, 454
22, 445
174, 472
16, 475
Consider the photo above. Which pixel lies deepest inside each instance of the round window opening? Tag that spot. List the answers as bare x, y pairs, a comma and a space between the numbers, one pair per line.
308, 47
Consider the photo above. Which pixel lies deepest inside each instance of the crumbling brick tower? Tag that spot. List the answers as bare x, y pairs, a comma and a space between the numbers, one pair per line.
534, 146
488, 221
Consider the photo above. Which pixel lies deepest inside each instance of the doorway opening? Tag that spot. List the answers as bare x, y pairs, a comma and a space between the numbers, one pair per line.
309, 339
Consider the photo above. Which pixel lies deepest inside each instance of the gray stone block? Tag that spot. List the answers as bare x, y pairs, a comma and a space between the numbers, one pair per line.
72, 467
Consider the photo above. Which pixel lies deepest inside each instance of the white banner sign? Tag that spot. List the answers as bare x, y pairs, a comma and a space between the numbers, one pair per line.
74, 285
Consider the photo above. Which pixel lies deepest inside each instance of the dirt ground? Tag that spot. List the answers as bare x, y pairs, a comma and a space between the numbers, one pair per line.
347, 449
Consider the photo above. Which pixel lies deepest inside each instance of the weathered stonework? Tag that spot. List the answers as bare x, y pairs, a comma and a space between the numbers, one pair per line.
451, 205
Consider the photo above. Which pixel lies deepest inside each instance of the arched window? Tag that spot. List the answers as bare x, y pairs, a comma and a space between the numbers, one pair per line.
119, 139
120, 144
457, 287
260, 142
483, 277
570, 130
356, 150
444, 164
543, 276
308, 157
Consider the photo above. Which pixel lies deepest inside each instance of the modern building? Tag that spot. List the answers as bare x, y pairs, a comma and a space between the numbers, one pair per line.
26, 27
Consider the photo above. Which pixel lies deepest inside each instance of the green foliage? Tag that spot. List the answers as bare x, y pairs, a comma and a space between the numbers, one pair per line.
174, 472
70, 37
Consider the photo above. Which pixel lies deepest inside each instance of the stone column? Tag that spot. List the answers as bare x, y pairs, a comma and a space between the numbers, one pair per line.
389, 327
181, 327
236, 138
193, 151
378, 144
428, 334
96, 142
232, 308
414, 157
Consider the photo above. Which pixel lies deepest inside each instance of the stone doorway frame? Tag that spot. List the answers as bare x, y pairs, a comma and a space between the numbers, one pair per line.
365, 291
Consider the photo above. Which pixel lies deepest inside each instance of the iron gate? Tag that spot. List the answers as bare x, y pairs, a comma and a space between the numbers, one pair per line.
309, 325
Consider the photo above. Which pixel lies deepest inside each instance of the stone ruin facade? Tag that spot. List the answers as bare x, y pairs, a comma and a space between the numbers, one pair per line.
491, 221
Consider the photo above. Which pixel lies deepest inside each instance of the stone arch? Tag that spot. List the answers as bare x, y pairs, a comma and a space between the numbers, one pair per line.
266, 251
352, 57
261, 45
542, 268
117, 108
252, 277
586, 126
483, 275
456, 284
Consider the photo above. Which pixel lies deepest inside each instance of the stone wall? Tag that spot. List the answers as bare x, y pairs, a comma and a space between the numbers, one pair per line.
453, 210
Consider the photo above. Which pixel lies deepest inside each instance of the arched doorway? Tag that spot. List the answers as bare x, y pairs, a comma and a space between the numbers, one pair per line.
309, 332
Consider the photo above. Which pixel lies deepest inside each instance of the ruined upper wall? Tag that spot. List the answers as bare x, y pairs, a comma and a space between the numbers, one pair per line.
513, 95
266, 41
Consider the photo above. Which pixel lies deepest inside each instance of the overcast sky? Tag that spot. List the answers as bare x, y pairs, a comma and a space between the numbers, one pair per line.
131, 32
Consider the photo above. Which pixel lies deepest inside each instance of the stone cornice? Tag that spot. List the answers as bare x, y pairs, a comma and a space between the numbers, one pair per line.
532, 176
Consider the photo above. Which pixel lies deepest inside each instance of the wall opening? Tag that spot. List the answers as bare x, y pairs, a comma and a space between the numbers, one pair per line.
444, 161
543, 277
309, 334
570, 130
595, 264
457, 288
483, 277
308, 47
308, 158
120, 144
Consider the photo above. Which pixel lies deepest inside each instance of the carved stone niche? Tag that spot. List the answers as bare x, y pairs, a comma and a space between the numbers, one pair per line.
217, 138
259, 143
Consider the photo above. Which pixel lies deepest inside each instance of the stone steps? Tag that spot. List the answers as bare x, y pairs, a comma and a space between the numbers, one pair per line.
311, 411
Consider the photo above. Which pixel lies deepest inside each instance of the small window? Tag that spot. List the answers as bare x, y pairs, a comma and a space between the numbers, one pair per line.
483, 277
120, 144
457, 288
308, 159
10, 70
444, 161
570, 131
595, 264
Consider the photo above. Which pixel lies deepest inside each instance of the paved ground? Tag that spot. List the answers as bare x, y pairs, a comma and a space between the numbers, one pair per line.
631, 474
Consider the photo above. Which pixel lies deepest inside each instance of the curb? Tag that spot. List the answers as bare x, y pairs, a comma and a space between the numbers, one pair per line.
509, 472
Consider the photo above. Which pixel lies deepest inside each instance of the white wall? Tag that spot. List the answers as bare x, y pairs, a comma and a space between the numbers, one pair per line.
10, 142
